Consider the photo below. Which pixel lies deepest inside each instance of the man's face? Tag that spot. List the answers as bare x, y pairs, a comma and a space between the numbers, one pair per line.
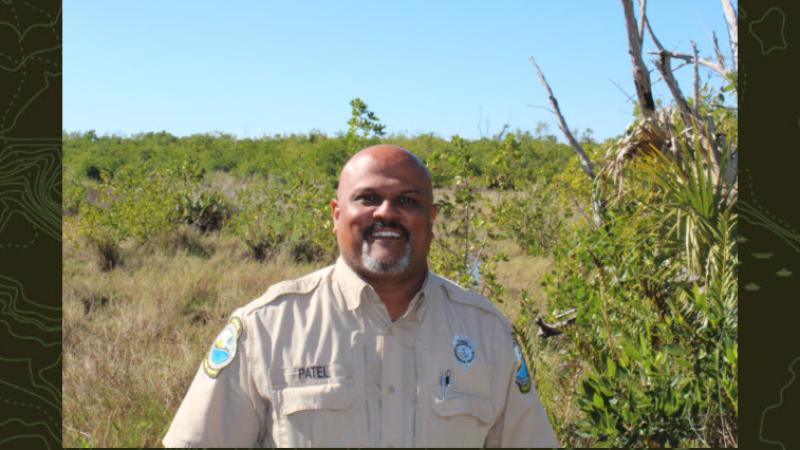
383, 216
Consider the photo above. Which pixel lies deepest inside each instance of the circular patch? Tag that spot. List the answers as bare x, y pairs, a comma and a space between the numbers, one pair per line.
223, 350
464, 351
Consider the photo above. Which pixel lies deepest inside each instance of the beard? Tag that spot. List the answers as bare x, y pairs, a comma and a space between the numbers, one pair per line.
386, 266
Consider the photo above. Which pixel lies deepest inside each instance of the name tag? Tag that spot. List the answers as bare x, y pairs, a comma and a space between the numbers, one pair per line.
315, 372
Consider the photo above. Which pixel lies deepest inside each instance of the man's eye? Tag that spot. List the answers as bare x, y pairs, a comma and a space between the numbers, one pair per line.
369, 198
407, 201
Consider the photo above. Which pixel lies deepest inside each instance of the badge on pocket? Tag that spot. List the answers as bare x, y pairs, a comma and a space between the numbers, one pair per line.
464, 351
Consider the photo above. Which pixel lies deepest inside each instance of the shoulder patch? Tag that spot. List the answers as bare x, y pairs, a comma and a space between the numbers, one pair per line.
523, 376
458, 294
223, 350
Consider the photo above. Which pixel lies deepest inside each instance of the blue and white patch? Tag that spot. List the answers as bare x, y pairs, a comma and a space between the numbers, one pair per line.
223, 350
464, 351
523, 378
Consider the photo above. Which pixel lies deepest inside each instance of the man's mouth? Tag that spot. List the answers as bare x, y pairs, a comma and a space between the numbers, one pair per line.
387, 234
380, 230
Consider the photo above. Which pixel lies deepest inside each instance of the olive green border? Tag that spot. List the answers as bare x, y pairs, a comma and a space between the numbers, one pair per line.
769, 228
30, 224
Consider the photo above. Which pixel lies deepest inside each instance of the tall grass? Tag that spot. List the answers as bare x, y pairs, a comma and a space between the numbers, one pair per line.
134, 336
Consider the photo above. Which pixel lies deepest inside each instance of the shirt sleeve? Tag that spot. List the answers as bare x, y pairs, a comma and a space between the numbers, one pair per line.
523, 422
220, 409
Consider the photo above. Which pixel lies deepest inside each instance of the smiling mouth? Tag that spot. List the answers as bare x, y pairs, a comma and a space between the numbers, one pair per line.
380, 230
387, 234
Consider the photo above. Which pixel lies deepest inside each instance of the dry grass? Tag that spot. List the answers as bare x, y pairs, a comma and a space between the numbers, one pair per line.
133, 337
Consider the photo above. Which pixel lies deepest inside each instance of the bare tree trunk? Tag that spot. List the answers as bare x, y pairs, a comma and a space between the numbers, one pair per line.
733, 30
641, 77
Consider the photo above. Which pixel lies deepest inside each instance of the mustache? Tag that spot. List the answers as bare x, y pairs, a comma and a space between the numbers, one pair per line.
385, 224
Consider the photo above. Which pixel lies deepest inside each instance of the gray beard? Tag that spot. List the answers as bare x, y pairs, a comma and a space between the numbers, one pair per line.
385, 267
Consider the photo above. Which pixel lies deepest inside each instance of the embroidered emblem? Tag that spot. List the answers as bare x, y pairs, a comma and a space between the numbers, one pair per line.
523, 378
464, 351
223, 350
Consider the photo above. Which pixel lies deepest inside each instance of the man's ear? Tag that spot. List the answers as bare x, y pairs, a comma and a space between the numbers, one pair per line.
335, 213
434, 211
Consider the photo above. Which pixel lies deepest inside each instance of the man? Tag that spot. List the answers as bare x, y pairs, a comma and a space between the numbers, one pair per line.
375, 351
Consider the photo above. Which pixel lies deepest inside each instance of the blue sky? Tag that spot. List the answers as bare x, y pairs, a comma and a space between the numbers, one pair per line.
263, 67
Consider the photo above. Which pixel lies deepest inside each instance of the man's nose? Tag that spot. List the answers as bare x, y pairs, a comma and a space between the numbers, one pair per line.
386, 210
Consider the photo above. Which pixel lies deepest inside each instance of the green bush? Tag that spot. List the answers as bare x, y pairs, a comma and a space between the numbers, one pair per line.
532, 218
465, 230
656, 305
136, 204
206, 211
276, 215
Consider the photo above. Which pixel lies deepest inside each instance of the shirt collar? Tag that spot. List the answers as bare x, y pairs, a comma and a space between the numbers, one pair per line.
354, 288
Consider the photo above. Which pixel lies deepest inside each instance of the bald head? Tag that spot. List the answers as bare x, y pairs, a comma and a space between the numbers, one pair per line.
381, 157
383, 215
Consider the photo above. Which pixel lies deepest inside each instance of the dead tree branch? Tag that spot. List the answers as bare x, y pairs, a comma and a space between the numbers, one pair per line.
696, 82
630, 98
641, 78
731, 20
586, 163
663, 65
720, 69
642, 12
716, 157
552, 329
717, 51
690, 118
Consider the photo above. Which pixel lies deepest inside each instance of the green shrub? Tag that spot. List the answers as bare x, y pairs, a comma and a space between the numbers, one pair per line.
136, 204
532, 218
276, 215
658, 338
461, 249
206, 211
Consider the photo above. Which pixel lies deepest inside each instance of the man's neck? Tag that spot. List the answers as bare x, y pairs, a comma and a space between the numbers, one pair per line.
396, 293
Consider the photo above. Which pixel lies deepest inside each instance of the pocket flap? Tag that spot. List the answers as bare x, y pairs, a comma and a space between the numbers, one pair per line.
457, 403
314, 397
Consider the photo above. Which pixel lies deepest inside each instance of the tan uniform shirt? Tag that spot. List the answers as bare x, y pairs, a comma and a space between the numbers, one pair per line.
318, 362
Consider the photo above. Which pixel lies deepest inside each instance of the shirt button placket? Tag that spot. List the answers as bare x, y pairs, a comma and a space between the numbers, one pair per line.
391, 403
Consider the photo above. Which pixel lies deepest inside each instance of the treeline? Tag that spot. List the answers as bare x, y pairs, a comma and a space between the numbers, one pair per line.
317, 155
272, 192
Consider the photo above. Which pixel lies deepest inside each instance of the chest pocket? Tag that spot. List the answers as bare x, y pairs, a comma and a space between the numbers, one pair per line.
321, 415
460, 403
467, 412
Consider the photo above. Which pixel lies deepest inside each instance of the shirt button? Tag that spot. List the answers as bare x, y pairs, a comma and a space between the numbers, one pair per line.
390, 389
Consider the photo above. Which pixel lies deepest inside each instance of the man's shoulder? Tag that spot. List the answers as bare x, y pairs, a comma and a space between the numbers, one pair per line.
298, 287
460, 295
